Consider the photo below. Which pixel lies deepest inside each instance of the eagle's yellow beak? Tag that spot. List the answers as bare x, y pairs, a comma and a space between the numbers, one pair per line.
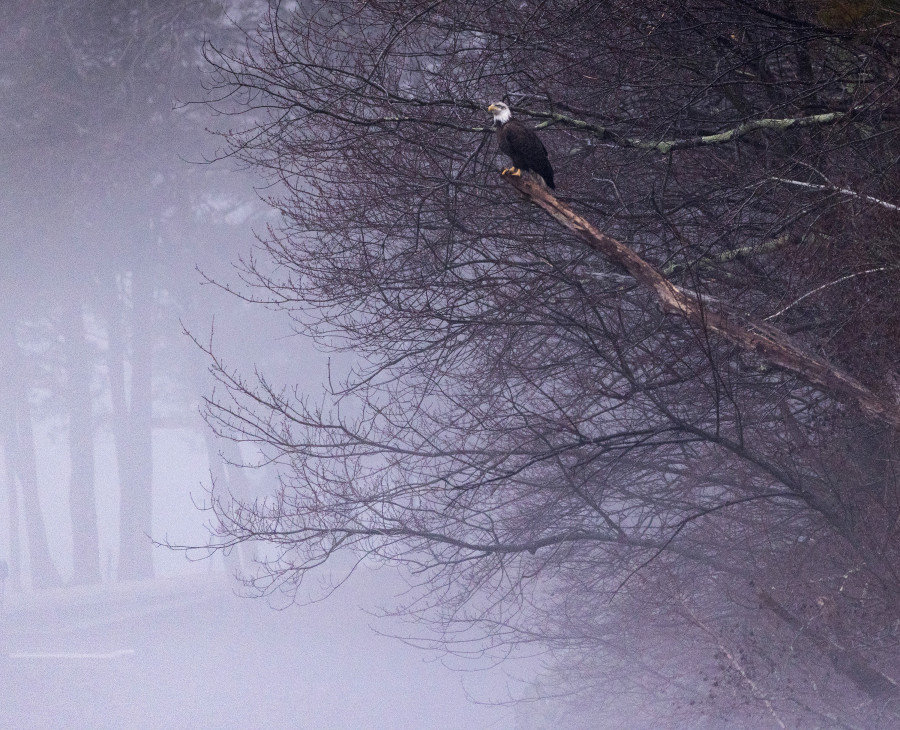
492, 108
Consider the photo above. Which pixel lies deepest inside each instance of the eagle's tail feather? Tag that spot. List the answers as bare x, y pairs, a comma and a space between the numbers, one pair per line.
547, 174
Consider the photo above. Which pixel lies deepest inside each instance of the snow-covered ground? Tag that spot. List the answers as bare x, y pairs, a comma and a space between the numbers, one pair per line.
190, 654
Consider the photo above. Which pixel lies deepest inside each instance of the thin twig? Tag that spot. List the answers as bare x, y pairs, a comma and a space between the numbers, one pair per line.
825, 286
842, 191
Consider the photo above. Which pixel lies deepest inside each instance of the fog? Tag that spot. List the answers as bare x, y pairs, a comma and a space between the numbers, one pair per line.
112, 226
188, 654
312, 416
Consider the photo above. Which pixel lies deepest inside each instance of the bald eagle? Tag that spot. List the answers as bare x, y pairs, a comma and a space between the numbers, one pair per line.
521, 144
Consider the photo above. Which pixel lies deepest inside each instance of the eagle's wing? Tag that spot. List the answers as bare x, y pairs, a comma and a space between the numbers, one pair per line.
525, 148
521, 140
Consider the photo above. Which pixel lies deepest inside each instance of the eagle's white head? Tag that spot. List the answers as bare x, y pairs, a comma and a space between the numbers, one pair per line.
501, 112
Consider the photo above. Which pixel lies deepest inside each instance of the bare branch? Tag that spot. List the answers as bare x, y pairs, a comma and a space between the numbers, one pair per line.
842, 191
769, 343
703, 140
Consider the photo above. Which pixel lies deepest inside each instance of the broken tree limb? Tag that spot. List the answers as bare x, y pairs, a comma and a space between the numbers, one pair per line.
767, 342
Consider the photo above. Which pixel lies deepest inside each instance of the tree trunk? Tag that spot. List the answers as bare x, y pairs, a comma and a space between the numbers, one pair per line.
847, 661
132, 411
43, 571
20, 450
82, 499
9, 453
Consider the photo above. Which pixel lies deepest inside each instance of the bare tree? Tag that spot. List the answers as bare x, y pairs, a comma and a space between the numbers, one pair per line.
100, 235
557, 459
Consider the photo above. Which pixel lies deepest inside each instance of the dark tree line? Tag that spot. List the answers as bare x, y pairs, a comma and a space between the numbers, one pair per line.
98, 240
558, 461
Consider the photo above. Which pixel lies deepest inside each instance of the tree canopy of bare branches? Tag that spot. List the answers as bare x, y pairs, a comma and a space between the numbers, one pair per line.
556, 458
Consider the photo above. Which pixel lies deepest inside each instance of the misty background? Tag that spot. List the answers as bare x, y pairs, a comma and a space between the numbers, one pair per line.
111, 224
643, 476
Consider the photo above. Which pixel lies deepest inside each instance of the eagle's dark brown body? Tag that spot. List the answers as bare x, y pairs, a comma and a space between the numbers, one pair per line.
525, 149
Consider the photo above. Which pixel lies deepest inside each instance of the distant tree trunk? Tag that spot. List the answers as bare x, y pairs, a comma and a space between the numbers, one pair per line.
8, 431
20, 451
132, 411
43, 571
82, 500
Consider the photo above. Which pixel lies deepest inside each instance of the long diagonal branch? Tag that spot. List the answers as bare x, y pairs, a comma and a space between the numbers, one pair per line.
764, 340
